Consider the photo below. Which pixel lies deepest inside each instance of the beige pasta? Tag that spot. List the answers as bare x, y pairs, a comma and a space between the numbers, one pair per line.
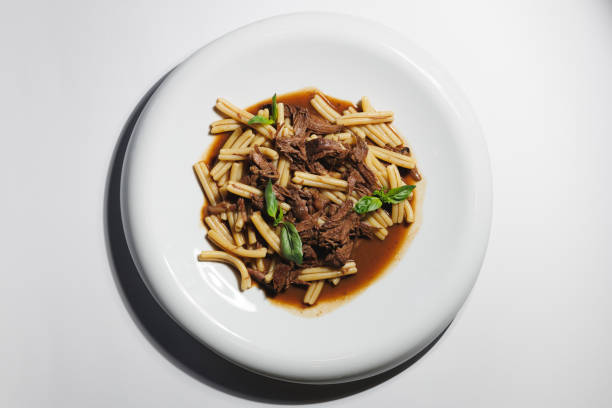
371, 131
259, 264
265, 231
314, 180
243, 116
332, 197
284, 173
314, 273
313, 292
244, 140
327, 275
251, 236
329, 113
280, 113
397, 212
392, 135
239, 222
236, 171
258, 140
237, 235
210, 188
223, 179
243, 190
232, 139
224, 125
243, 153
220, 256
219, 240
215, 223
364, 118
270, 275
220, 169
381, 232
398, 159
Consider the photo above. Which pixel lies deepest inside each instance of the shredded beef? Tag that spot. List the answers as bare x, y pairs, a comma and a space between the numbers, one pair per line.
405, 150
306, 224
322, 126
250, 179
257, 275
303, 121
342, 211
298, 205
414, 173
310, 256
284, 275
366, 230
221, 208
262, 167
370, 178
359, 151
321, 147
318, 200
294, 150
340, 256
258, 203
316, 168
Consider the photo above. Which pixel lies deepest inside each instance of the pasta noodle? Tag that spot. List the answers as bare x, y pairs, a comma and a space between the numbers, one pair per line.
215, 223
243, 116
210, 189
313, 292
266, 232
398, 159
220, 241
314, 180
220, 256
364, 118
242, 152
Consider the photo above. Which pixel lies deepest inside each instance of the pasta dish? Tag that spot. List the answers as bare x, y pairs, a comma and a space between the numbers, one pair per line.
298, 187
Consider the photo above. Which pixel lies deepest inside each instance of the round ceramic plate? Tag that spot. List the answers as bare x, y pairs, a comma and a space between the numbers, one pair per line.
402, 311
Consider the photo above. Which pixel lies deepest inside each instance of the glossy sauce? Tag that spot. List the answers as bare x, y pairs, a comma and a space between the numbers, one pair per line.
371, 256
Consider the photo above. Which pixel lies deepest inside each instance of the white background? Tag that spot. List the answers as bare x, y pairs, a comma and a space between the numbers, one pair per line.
535, 330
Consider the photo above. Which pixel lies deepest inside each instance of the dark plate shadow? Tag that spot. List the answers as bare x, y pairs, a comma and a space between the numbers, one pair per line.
176, 344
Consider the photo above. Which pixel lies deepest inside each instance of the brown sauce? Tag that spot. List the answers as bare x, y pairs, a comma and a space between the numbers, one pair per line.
371, 256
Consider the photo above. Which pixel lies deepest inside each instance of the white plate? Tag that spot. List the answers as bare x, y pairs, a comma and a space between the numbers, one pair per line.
398, 314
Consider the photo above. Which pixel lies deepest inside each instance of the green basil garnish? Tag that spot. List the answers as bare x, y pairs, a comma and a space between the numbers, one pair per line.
271, 201
272, 207
367, 204
274, 109
375, 201
395, 195
291, 243
260, 119
257, 119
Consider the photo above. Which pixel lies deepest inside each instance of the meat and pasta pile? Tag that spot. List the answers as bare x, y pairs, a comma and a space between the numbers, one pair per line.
293, 189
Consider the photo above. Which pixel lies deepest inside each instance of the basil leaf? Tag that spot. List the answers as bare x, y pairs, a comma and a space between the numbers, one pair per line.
260, 119
291, 243
271, 201
274, 109
279, 217
367, 204
379, 193
398, 194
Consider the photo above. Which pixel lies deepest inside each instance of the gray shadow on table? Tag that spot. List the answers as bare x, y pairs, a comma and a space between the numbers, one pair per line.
178, 346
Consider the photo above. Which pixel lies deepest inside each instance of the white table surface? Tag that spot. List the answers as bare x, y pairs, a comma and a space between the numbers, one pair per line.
77, 332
